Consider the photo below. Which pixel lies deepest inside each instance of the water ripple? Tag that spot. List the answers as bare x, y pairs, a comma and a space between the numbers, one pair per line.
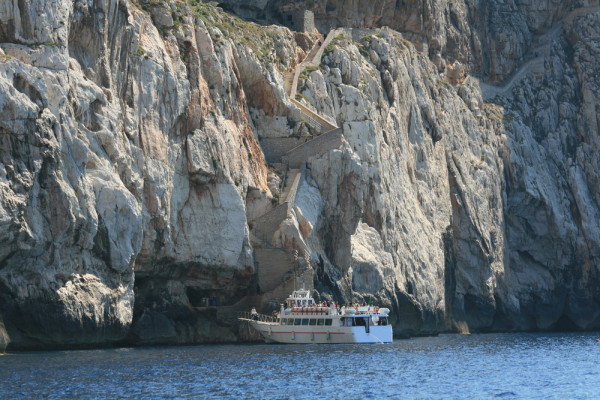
507, 366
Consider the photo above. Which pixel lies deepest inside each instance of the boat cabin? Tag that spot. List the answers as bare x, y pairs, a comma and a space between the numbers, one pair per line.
353, 320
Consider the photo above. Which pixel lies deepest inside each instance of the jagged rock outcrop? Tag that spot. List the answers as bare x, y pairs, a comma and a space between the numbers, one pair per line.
133, 139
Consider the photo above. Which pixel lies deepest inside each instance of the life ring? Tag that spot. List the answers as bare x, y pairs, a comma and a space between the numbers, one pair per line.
376, 310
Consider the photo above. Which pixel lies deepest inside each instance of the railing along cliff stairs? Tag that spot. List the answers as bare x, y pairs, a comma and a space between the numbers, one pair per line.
274, 264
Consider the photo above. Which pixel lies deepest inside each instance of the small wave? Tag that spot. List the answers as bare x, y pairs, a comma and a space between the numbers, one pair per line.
506, 394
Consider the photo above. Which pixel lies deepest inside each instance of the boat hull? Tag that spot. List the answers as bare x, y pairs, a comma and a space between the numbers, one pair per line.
326, 334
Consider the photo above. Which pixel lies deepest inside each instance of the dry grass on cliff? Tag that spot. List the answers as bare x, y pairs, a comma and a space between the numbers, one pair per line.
334, 42
256, 37
260, 39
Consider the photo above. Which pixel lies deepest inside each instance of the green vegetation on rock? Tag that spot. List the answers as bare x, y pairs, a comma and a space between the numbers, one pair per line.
305, 74
139, 52
333, 43
260, 39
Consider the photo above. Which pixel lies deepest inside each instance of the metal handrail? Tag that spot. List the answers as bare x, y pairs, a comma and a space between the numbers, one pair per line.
261, 317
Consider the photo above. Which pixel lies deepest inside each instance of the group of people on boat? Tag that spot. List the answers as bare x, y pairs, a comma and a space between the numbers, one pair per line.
300, 303
304, 307
303, 303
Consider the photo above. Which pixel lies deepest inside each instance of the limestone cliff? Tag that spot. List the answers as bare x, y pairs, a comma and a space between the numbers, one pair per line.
489, 220
137, 202
126, 145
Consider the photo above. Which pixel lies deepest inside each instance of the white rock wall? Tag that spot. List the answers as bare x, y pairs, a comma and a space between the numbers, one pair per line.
472, 207
120, 150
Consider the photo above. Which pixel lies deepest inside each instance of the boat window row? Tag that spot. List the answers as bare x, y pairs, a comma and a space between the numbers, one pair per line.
363, 321
306, 321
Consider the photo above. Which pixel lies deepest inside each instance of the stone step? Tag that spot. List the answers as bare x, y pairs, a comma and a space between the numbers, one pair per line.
274, 266
314, 124
316, 60
266, 225
310, 57
291, 184
316, 118
297, 156
289, 81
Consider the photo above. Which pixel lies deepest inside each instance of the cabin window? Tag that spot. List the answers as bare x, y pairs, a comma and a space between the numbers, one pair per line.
297, 321
383, 321
320, 322
313, 321
305, 321
328, 322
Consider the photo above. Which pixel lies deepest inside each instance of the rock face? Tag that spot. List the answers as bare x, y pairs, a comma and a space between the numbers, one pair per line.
488, 37
4, 339
132, 171
121, 151
476, 209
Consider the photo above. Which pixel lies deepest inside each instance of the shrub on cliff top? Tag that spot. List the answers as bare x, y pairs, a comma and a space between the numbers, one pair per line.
307, 71
258, 38
333, 43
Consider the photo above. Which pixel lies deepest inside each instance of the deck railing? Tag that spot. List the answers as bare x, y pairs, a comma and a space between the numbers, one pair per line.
257, 317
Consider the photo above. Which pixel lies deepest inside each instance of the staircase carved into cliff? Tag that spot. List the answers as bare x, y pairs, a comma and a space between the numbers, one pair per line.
534, 62
276, 267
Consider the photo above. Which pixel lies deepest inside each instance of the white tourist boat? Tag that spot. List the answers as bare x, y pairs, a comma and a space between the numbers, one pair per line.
302, 320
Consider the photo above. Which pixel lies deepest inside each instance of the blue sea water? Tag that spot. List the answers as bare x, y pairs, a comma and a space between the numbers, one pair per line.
524, 366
